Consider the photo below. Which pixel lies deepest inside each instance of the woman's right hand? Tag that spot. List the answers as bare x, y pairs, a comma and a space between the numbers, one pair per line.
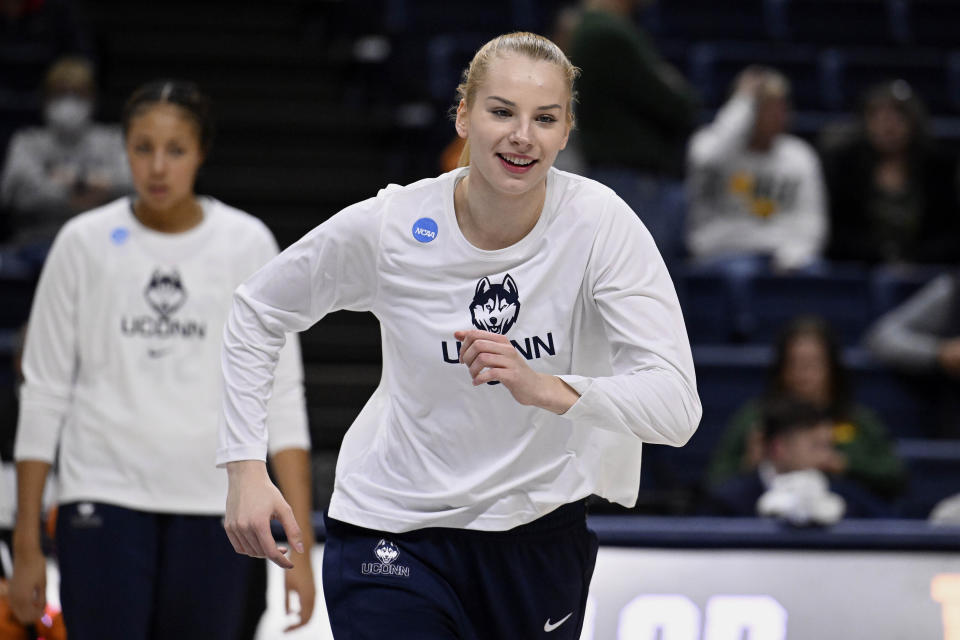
252, 502
28, 586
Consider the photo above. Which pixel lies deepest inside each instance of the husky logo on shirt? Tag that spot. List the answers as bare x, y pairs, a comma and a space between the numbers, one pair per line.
495, 307
387, 553
166, 294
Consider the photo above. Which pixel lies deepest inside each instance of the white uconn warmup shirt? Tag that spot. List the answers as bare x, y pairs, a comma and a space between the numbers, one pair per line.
584, 293
122, 359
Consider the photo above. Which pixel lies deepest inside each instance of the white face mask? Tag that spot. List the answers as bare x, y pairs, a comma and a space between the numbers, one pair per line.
68, 115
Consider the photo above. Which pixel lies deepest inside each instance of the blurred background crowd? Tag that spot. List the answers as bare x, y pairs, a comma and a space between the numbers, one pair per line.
795, 160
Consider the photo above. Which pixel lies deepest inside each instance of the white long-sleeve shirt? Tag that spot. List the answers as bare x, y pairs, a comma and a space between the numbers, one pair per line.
584, 296
122, 359
744, 201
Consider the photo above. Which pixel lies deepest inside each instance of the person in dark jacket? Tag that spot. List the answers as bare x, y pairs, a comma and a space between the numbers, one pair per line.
893, 192
635, 112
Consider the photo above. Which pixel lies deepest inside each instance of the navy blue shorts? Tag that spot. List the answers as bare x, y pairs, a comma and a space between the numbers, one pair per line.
529, 582
148, 576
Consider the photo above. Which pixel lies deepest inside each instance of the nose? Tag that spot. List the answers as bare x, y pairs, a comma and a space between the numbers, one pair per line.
520, 135
157, 163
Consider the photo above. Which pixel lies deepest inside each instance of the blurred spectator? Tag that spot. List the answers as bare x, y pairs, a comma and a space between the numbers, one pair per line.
755, 191
634, 114
807, 364
922, 337
33, 33
796, 444
893, 192
68, 166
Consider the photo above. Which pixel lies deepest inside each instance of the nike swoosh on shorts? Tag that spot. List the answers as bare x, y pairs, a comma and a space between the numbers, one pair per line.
550, 626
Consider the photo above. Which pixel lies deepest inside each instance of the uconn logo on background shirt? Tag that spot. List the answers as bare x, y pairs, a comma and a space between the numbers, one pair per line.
165, 294
387, 553
496, 308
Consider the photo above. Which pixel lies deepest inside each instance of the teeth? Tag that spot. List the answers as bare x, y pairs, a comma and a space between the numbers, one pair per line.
518, 161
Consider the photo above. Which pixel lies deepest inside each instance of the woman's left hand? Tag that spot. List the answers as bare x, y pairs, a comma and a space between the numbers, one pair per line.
492, 358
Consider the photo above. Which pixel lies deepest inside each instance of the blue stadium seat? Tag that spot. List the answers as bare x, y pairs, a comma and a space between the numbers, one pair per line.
727, 376
842, 297
447, 56
428, 17
907, 405
874, 22
934, 468
17, 283
714, 65
928, 71
933, 22
709, 308
893, 284
709, 19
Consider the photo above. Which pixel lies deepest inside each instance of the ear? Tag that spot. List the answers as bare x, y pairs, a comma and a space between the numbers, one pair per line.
509, 285
463, 119
483, 286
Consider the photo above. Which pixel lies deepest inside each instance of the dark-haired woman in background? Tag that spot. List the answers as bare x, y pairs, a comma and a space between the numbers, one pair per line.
893, 192
807, 365
121, 370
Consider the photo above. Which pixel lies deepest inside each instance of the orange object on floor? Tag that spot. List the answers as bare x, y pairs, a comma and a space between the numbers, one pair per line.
48, 627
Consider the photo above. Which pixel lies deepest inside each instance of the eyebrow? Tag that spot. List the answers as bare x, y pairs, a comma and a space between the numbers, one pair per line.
511, 103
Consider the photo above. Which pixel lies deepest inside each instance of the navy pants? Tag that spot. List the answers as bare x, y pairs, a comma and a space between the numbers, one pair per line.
529, 582
148, 576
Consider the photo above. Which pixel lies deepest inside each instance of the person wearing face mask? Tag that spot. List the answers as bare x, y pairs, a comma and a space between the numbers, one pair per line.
67, 166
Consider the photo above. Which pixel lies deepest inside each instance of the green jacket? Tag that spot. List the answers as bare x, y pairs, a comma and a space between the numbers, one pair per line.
634, 110
871, 460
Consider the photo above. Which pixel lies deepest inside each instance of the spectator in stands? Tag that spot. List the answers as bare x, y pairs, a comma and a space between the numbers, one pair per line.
922, 337
123, 359
807, 364
789, 481
893, 191
33, 33
68, 166
635, 112
756, 192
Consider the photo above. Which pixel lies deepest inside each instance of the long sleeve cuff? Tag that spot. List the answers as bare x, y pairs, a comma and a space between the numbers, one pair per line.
241, 452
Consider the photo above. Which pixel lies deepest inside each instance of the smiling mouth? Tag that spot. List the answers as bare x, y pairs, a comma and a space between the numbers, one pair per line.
517, 165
